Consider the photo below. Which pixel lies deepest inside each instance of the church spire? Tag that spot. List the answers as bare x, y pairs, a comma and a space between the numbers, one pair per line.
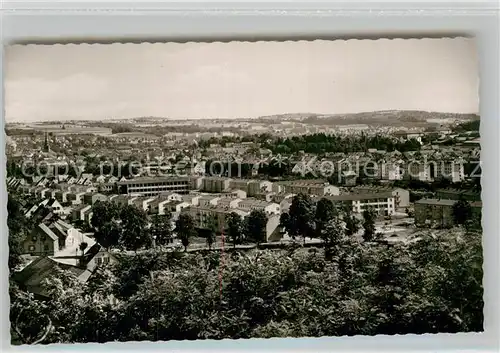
46, 146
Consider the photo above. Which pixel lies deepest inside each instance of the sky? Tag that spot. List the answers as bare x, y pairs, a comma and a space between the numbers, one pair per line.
239, 79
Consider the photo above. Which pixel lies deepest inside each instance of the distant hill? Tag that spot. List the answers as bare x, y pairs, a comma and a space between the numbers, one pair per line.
386, 117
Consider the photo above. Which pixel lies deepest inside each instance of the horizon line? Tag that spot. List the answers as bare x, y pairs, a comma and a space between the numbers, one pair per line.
110, 119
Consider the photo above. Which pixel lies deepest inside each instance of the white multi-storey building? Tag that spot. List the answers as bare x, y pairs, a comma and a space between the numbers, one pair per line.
382, 202
249, 205
154, 186
308, 187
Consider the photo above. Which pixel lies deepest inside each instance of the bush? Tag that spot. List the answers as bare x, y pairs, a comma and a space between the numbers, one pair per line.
433, 285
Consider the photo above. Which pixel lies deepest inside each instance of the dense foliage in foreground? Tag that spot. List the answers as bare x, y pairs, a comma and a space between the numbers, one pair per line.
433, 285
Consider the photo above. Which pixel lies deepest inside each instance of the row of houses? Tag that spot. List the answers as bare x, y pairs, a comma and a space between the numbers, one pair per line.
56, 238
384, 203
381, 169
203, 216
59, 246
150, 186
170, 195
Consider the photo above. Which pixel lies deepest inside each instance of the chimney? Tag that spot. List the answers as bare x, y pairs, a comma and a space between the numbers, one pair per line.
80, 262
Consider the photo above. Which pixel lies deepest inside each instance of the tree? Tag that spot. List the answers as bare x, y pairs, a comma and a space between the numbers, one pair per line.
161, 229
301, 217
332, 233
212, 230
82, 247
325, 211
106, 223
134, 224
474, 223
369, 217
428, 286
285, 221
234, 228
184, 227
109, 235
17, 228
351, 222
256, 226
462, 212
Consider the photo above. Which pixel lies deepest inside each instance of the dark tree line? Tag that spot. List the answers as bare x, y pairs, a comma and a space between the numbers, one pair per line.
430, 286
472, 125
238, 229
128, 227
309, 219
323, 143
349, 287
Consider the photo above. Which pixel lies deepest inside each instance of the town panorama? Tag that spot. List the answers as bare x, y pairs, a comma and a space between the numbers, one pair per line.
114, 204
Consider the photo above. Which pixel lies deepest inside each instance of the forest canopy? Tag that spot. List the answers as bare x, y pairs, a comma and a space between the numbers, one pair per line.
430, 286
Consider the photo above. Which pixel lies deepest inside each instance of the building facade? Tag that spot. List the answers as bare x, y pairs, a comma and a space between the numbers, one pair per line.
215, 184
41, 242
383, 203
439, 212
154, 186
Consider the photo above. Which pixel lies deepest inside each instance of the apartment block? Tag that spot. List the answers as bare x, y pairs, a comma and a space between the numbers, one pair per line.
309, 188
439, 212
202, 217
454, 194
250, 186
215, 184
249, 205
154, 186
382, 202
401, 196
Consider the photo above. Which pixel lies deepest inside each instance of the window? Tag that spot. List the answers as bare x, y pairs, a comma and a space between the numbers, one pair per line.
98, 261
33, 237
46, 247
105, 260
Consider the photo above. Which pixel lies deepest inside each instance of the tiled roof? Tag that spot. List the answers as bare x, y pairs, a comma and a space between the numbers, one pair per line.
445, 202
46, 230
74, 249
435, 202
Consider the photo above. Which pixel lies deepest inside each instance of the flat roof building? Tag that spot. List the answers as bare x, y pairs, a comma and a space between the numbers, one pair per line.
154, 186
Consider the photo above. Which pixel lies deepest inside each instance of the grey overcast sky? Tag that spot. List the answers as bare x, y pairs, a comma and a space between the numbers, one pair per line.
239, 79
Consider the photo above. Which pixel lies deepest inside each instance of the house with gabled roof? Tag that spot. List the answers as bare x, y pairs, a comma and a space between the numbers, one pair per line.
75, 197
82, 213
155, 206
41, 242
61, 196
55, 206
80, 264
143, 202
199, 168
112, 179
40, 191
106, 187
193, 199
33, 209
175, 207
91, 198
45, 193
123, 200
101, 179
208, 200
